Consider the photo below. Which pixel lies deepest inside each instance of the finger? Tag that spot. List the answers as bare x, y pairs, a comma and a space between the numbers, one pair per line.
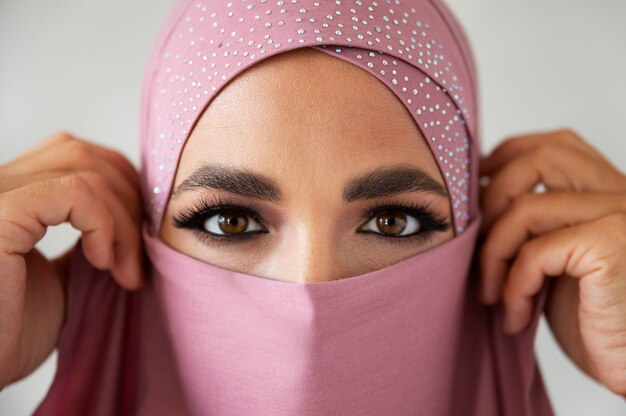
116, 159
515, 146
109, 239
68, 155
54, 140
10, 182
532, 215
65, 139
570, 251
126, 269
26, 212
12, 296
557, 168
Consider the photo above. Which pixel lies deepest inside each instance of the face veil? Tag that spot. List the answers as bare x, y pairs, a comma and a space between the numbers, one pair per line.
410, 338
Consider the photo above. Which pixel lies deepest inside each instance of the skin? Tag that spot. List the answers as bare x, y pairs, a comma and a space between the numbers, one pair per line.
310, 122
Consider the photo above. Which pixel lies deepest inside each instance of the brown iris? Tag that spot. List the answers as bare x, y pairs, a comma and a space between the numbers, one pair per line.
232, 223
391, 222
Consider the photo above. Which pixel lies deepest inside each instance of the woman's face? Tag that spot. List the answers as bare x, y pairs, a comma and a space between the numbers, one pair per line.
305, 169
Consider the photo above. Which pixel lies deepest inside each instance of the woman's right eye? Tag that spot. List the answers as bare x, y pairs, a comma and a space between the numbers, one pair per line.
220, 221
230, 223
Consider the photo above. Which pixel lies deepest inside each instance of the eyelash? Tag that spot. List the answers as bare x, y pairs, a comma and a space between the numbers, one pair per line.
194, 217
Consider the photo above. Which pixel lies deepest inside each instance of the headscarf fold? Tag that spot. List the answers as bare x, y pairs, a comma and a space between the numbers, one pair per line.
410, 338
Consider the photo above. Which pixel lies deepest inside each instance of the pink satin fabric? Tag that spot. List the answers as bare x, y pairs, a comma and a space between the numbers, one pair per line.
408, 339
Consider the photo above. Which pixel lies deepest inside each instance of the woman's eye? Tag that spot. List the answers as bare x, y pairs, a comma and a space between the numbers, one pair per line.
230, 223
393, 223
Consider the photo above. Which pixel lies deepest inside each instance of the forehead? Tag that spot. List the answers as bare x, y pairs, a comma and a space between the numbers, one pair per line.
310, 111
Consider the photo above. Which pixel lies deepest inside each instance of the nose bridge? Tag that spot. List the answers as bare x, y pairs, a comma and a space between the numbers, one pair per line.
313, 256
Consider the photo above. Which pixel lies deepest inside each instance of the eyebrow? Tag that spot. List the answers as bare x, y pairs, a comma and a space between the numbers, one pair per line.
374, 184
391, 181
236, 181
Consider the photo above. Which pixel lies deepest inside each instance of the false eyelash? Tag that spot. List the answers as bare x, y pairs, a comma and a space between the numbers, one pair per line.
193, 218
430, 222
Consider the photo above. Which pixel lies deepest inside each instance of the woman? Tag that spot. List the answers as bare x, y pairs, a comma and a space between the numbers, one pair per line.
325, 166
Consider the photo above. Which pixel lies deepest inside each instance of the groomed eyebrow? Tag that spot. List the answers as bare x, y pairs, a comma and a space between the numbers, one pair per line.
391, 181
236, 181
378, 183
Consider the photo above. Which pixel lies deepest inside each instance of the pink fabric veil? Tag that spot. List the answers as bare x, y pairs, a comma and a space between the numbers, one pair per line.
407, 339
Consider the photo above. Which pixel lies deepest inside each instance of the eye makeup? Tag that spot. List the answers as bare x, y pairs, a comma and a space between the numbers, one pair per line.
429, 221
194, 218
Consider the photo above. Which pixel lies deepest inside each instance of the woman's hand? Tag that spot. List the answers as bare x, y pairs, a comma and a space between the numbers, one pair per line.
61, 179
576, 230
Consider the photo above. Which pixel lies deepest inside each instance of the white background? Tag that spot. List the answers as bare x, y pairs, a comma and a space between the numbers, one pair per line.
543, 64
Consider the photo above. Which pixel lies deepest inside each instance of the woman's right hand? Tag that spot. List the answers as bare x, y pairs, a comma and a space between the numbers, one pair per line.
62, 179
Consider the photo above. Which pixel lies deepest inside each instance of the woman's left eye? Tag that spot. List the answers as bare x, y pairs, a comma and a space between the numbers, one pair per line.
230, 223
393, 223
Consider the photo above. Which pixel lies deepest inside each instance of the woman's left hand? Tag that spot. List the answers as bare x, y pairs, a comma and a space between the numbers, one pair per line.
575, 231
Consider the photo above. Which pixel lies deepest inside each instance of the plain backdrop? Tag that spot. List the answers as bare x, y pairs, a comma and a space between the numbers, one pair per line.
543, 64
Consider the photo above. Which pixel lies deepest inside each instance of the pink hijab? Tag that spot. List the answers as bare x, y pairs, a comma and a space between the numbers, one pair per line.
407, 339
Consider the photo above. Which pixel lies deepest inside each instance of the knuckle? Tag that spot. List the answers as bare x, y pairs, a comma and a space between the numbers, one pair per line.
76, 183
95, 179
568, 133
522, 203
520, 209
543, 153
614, 381
79, 152
508, 144
119, 157
512, 142
57, 138
514, 139
60, 136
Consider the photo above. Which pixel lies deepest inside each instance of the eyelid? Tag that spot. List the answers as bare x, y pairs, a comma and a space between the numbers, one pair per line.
194, 218
429, 220
204, 208
412, 221
210, 220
